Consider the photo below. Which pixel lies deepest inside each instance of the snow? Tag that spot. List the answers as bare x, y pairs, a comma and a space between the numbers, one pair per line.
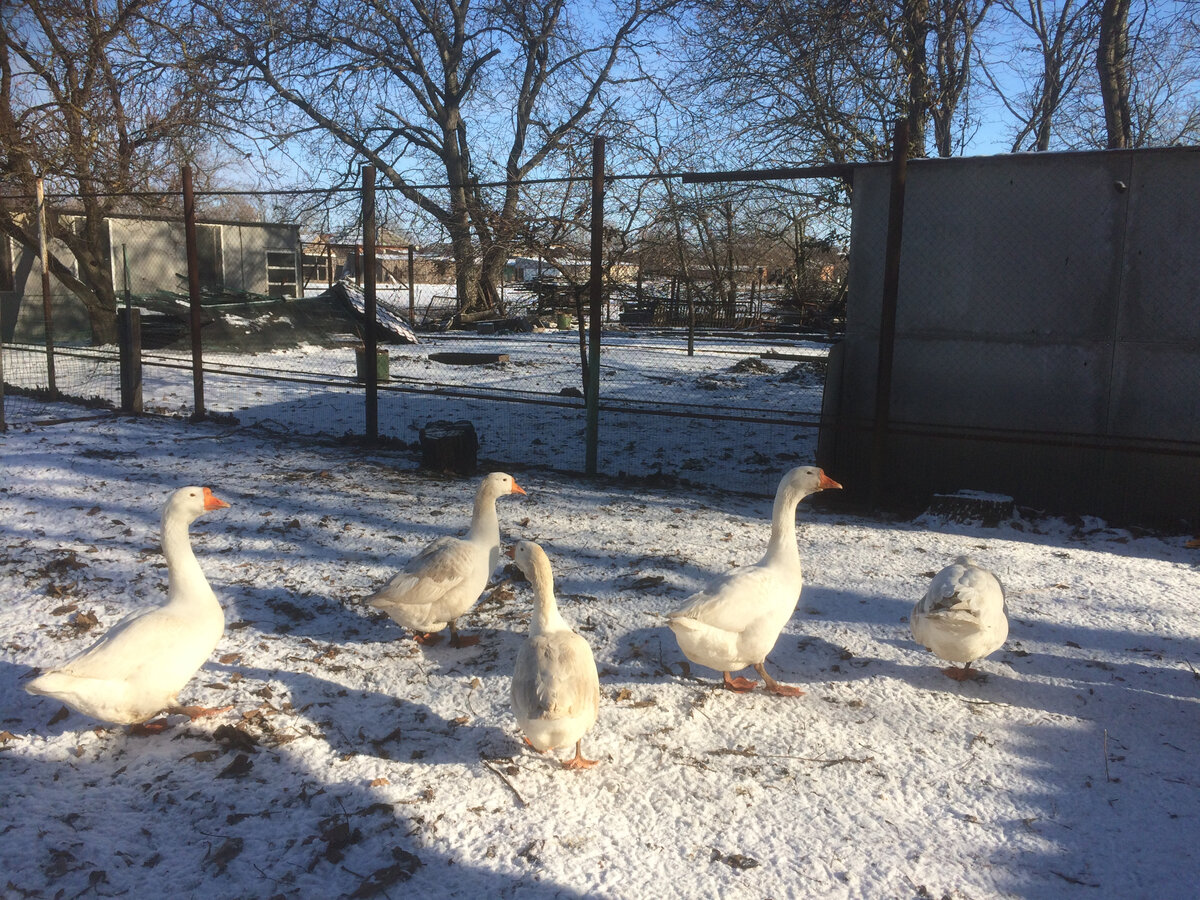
517, 406
353, 759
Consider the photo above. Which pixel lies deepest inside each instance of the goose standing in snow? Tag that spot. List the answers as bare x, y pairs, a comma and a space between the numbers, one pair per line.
138, 668
734, 621
962, 617
555, 688
445, 579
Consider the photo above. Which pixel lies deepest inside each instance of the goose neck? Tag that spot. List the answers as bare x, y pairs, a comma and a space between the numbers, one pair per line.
184, 575
783, 527
545, 607
485, 524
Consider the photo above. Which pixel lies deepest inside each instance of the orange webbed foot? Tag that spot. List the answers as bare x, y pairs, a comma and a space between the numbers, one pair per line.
578, 761
458, 642
739, 685
785, 690
958, 674
427, 638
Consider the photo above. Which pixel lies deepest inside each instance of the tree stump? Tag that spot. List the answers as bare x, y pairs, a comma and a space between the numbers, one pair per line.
449, 447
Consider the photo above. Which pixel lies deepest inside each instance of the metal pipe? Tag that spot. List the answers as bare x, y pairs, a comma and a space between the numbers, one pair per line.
47, 312
888, 305
370, 348
412, 291
597, 297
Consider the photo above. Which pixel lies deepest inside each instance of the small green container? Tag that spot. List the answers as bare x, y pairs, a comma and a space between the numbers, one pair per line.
381, 364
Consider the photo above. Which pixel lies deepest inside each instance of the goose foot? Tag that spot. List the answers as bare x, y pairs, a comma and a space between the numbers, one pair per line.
578, 762
146, 729
738, 685
783, 690
427, 638
457, 641
966, 673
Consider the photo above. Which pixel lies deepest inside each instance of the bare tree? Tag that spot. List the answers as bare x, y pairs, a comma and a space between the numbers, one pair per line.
462, 93
953, 25
86, 104
1113, 67
1063, 37
827, 78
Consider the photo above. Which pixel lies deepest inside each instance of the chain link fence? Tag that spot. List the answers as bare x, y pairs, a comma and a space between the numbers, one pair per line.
705, 374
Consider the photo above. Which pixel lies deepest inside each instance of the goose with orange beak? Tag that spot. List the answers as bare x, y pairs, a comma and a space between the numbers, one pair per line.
735, 620
138, 667
444, 580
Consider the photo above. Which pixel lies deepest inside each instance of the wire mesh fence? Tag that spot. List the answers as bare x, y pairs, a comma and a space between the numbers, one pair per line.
704, 375
1041, 330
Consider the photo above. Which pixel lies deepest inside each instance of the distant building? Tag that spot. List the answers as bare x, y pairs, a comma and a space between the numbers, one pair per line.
149, 258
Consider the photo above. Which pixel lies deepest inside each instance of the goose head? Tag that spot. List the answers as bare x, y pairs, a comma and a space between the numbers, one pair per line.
497, 484
804, 480
189, 503
527, 555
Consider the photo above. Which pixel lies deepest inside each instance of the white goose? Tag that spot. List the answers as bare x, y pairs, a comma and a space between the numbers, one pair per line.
962, 617
445, 579
734, 621
138, 668
555, 688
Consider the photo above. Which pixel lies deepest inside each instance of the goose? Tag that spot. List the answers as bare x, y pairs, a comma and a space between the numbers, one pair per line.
555, 689
962, 617
734, 621
445, 579
138, 667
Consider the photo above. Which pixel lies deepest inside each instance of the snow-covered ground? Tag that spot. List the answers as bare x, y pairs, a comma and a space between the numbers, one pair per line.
734, 413
355, 763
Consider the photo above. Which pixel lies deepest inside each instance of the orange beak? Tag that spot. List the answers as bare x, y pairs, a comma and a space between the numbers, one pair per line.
511, 552
517, 489
212, 501
827, 483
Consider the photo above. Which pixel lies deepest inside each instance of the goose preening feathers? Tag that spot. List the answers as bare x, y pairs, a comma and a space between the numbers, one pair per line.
138, 668
445, 579
734, 621
555, 688
962, 617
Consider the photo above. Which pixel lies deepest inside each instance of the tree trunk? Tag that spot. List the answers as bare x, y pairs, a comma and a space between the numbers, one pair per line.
1112, 64
916, 28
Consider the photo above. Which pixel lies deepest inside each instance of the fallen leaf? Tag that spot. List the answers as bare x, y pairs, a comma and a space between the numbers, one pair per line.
380, 782
203, 755
84, 621
735, 860
227, 853
380, 880
233, 738
229, 658
241, 765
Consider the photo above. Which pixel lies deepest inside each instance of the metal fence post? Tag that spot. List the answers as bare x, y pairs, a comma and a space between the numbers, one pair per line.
412, 291
3, 424
369, 345
597, 296
193, 268
129, 327
47, 313
887, 316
